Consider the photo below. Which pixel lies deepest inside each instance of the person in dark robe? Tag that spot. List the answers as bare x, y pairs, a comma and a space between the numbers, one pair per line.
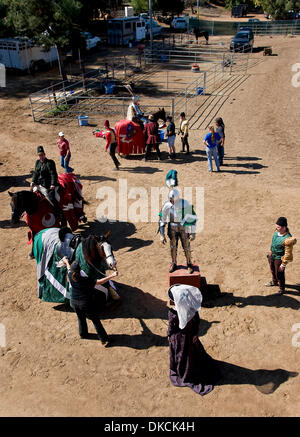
190, 365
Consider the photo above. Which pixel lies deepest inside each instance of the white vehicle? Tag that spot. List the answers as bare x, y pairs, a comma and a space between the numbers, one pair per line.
91, 41
23, 54
140, 30
156, 28
179, 23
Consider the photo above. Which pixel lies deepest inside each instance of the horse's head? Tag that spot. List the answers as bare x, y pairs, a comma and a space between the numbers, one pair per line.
97, 248
161, 114
105, 251
21, 202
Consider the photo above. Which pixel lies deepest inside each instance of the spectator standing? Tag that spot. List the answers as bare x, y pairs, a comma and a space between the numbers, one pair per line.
152, 137
81, 300
111, 144
220, 143
210, 141
171, 136
184, 133
64, 152
281, 252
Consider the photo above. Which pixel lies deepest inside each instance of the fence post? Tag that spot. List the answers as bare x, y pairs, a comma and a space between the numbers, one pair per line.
32, 111
123, 107
215, 76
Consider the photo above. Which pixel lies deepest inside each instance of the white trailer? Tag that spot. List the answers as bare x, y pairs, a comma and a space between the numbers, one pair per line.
24, 55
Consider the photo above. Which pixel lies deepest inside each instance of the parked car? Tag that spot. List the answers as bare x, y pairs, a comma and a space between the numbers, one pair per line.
241, 42
156, 28
254, 20
179, 23
249, 30
91, 41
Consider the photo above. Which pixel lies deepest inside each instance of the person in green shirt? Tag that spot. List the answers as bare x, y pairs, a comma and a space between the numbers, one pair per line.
280, 253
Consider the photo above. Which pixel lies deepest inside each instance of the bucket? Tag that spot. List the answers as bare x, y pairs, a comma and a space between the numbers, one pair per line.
109, 88
83, 120
161, 134
199, 90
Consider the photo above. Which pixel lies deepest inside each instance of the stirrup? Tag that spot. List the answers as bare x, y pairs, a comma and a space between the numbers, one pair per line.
190, 268
173, 267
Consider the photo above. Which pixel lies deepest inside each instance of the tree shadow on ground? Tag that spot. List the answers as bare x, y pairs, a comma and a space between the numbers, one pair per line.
265, 381
213, 297
7, 182
121, 234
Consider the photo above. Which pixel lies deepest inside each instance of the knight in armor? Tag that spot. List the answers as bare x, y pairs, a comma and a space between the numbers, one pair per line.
181, 220
134, 112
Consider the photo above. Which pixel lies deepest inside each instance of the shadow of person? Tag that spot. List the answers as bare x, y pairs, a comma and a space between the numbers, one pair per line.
136, 304
272, 300
120, 234
144, 340
265, 381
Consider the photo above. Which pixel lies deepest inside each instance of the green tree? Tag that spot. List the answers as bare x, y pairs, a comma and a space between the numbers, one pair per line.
172, 7
46, 22
278, 9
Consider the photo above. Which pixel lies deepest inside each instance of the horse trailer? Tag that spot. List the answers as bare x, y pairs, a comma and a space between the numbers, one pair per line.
125, 30
21, 54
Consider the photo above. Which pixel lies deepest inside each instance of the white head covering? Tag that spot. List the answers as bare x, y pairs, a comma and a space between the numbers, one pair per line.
174, 194
187, 300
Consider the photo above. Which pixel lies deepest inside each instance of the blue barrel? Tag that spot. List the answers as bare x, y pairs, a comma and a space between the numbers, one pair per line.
83, 120
109, 88
161, 134
200, 90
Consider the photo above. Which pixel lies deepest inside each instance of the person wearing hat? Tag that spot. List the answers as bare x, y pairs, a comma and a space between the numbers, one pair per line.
82, 301
281, 252
111, 144
152, 137
190, 365
181, 219
184, 133
44, 176
64, 152
171, 136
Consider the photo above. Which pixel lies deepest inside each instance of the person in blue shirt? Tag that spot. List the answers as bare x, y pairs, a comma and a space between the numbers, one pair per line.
210, 141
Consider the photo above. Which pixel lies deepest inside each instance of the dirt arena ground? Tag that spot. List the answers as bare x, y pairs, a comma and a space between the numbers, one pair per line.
47, 370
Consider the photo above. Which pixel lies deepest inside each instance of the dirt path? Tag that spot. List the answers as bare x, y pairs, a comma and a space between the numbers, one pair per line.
46, 370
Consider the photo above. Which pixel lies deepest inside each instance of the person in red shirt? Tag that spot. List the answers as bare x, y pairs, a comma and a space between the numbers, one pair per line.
111, 144
151, 137
64, 152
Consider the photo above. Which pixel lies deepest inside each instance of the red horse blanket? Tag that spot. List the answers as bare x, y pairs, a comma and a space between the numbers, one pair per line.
71, 203
130, 137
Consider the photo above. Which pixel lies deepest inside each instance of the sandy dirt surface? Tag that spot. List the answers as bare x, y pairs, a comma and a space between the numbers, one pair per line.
47, 370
